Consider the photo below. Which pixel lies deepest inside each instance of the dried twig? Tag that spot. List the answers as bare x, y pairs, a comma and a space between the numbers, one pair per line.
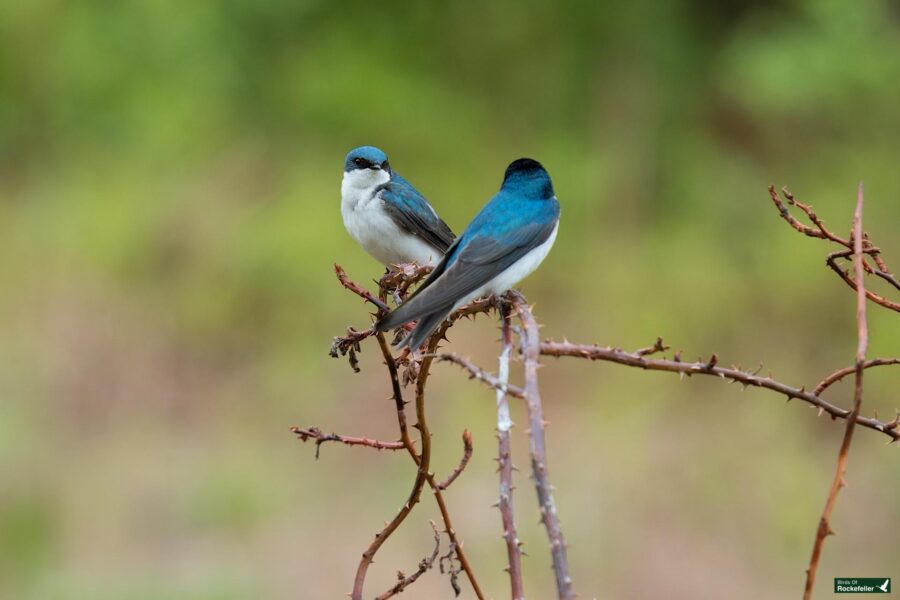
451, 570
479, 374
531, 349
831, 261
358, 289
438, 496
369, 554
422, 460
467, 454
349, 345
675, 365
862, 332
404, 581
835, 377
321, 437
421, 424
505, 466
820, 231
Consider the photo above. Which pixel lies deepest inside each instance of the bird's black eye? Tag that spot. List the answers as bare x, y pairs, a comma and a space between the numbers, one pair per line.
359, 162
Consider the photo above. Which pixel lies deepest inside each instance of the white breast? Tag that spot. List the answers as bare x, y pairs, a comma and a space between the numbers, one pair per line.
515, 273
372, 227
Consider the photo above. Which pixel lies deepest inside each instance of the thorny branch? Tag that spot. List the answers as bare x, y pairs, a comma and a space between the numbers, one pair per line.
504, 459
314, 433
426, 563
835, 377
401, 280
820, 231
711, 367
479, 374
536, 424
422, 462
862, 334
463, 462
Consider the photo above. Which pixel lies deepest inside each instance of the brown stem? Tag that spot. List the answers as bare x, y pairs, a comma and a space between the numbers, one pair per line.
504, 424
321, 437
424, 564
889, 278
369, 555
831, 261
631, 359
862, 333
833, 378
820, 231
404, 433
358, 289
421, 380
479, 374
397, 394
531, 349
467, 454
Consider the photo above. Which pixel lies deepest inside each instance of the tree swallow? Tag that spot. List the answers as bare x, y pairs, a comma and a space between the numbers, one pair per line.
386, 215
502, 245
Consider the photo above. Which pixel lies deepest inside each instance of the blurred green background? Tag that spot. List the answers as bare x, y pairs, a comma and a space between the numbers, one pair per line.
169, 216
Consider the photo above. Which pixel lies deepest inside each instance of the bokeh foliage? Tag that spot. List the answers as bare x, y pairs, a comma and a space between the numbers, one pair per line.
169, 177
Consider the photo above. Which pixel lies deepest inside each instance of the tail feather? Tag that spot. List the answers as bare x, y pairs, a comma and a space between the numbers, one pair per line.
423, 329
410, 310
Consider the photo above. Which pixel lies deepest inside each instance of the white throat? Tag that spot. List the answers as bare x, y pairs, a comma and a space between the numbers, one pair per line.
358, 186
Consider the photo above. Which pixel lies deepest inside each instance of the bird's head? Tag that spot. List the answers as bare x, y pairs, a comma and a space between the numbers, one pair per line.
528, 178
367, 166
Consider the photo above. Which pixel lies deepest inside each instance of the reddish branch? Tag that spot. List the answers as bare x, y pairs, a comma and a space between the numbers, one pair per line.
505, 465
862, 333
426, 563
531, 350
314, 433
819, 230
710, 367
479, 374
841, 373
421, 380
369, 555
358, 289
633, 359
422, 459
400, 405
467, 454
831, 261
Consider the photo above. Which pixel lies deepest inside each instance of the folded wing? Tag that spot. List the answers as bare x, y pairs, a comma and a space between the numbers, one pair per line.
411, 212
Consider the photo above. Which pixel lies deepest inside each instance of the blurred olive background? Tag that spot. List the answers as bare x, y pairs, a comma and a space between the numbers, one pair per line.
169, 216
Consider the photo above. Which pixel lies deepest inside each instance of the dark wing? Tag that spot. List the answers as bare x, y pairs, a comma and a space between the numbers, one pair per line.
409, 210
464, 270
